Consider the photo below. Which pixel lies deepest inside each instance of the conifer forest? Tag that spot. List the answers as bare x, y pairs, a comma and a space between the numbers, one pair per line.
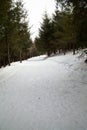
66, 30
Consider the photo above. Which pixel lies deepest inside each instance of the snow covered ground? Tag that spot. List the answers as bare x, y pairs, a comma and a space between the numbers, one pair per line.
44, 94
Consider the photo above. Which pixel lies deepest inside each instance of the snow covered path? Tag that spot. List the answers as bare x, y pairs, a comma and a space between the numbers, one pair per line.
44, 94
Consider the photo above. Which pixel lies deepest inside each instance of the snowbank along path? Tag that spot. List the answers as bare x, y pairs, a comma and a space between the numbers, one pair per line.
44, 94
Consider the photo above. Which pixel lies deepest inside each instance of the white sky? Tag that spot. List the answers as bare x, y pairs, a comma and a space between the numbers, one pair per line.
36, 9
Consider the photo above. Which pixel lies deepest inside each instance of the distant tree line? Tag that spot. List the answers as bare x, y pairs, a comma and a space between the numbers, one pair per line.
66, 30
14, 32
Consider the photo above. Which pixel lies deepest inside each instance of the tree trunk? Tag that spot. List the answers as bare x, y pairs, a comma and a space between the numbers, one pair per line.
8, 51
59, 50
48, 53
54, 51
4, 64
73, 49
64, 51
20, 56
8, 55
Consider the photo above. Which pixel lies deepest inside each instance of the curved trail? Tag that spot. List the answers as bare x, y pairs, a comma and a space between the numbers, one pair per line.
44, 94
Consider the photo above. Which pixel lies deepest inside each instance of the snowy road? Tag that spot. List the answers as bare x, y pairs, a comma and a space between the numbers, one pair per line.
44, 94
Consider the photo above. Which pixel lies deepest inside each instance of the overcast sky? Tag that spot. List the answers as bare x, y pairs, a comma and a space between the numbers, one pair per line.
36, 9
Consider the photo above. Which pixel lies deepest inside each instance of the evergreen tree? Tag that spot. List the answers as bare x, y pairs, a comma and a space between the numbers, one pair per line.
22, 40
14, 31
65, 33
43, 43
79, 11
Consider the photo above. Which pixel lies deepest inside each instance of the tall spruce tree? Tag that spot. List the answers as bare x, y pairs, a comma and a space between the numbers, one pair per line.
5, 13
65, 34
14, 31
45, 40
22, 41
79, 11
